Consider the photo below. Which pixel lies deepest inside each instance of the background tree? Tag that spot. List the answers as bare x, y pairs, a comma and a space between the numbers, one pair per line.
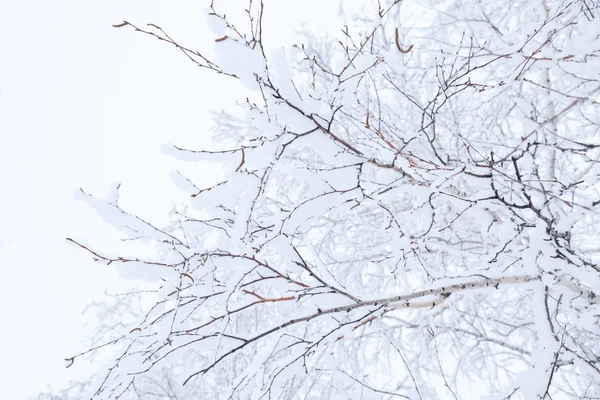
408, 210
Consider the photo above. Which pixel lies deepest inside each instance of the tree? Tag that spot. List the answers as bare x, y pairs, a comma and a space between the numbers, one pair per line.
410, 210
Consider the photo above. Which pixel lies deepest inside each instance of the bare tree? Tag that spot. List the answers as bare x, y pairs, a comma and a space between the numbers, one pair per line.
410, 210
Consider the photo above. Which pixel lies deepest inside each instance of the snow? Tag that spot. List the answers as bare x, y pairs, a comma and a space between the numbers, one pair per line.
439, 231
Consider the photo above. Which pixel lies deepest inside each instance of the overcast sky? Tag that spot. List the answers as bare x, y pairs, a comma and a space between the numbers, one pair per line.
85, 105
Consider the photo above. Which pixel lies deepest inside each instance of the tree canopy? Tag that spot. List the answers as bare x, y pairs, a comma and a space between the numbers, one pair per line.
409, 209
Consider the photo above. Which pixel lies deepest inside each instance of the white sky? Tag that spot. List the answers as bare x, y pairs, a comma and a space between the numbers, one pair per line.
85, 105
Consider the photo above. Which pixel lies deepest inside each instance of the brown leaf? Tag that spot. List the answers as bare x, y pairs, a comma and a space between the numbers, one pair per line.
242, 162
188, 276
400, 49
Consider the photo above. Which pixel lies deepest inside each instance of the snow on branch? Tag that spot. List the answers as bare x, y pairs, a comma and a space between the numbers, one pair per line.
393, 221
